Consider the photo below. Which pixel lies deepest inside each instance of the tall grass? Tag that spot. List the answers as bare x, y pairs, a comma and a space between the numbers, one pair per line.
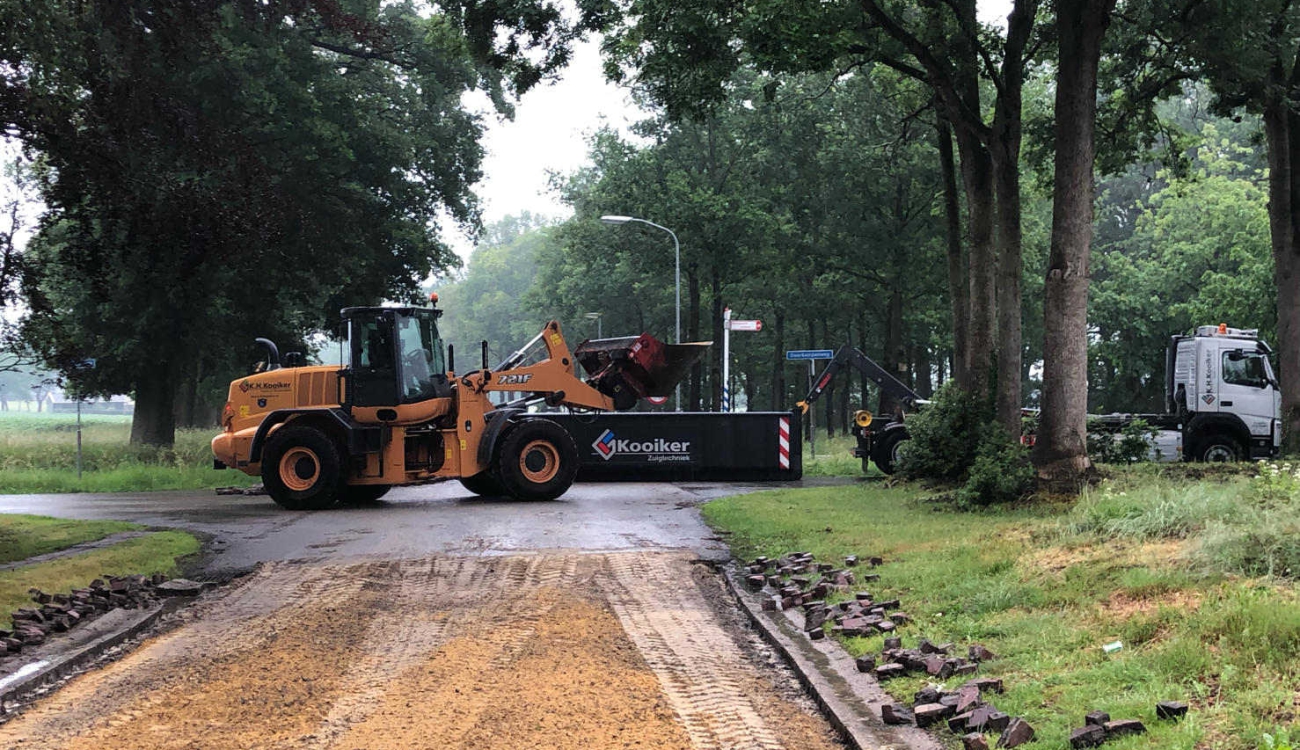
38, 453
1242, 525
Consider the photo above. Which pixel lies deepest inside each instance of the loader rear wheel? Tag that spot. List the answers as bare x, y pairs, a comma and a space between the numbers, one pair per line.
483, 484
301, 469
538, 460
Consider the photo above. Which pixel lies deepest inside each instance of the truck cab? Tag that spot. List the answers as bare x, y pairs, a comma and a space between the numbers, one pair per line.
1221, 390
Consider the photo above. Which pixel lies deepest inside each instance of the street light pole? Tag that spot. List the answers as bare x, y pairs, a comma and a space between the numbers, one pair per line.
677, 254
596, 316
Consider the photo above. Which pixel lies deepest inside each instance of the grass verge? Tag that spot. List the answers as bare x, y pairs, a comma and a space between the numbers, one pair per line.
158, 552
1045, 592
24, 536
38, 453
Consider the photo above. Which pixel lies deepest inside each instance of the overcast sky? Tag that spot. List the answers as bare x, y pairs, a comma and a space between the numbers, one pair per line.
548, 134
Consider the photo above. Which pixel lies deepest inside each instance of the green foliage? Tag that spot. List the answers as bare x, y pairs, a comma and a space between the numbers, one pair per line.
945, 436
1127, 446
1181, 250
1279, 740
1000, 473
218, 170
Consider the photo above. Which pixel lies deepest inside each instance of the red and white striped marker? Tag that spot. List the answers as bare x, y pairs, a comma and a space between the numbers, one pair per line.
784, 440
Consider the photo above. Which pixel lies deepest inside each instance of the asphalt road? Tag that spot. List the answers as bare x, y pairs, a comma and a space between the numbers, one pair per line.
412, 522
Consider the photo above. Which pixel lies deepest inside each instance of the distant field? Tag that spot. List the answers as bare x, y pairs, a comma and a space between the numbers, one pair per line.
38, 453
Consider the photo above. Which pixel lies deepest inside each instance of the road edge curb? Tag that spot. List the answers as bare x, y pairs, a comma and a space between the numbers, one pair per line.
849, 723
69, 663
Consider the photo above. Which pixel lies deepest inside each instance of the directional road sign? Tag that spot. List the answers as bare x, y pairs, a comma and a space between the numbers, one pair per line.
810, 354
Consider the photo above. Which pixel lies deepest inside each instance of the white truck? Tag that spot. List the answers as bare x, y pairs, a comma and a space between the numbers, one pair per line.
1222, 401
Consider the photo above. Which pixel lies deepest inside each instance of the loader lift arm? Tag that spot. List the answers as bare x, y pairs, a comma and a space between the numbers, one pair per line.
878, 439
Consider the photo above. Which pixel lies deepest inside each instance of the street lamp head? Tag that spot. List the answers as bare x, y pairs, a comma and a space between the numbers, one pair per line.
616, 220
593, 315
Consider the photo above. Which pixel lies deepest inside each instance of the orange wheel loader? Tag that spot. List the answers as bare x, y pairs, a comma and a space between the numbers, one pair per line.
397, 413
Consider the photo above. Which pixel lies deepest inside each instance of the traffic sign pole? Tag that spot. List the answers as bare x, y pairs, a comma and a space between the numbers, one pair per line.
726, 359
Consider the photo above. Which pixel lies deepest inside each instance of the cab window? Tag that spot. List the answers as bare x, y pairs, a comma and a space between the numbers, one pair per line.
1246, 368
423, 372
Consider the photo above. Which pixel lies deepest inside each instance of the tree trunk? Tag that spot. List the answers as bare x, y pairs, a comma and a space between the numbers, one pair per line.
977, 181
693, 334
778, 364
1281, 132
1006, 167
958, 281
1061, 453
154, 422
924, 382
895, 351
1004, 150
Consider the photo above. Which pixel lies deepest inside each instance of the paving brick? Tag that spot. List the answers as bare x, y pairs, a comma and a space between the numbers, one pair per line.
1171, 710
1121, 727
895, 714
865, 663
1017, 733
887, 671
974, 741
978, 652
968, 698
1091, 735
1096, 717
930, 713
927, 694
893, 643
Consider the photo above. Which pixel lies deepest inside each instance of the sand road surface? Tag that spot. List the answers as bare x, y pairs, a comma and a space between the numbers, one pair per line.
616, 650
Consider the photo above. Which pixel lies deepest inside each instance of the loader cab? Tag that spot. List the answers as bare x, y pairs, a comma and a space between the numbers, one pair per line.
395, 356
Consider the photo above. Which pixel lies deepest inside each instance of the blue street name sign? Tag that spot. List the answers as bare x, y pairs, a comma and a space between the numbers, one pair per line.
810, 354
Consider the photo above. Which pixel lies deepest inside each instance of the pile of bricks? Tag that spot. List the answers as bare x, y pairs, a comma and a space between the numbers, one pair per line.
797, 581
967, 710
57, 613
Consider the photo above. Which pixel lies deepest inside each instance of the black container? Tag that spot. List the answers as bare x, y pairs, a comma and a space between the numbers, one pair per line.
685, 446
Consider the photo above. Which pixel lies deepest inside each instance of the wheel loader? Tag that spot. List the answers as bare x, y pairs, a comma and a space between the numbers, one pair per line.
397, 413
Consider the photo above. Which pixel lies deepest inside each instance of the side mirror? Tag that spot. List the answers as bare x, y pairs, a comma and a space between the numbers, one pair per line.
1236, 355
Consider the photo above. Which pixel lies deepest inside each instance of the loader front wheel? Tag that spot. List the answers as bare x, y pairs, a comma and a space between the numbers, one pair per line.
483, 484
538, 460
301, 469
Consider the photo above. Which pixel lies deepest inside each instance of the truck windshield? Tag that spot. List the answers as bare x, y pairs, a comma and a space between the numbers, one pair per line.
1246, 368
423, 369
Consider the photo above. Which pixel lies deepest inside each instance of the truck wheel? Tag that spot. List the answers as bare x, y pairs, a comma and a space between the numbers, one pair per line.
301, 469
885, 452
483, 484
363, 494
538, 460
1218, 449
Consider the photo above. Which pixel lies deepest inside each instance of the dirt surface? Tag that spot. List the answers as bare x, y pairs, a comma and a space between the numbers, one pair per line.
615, 650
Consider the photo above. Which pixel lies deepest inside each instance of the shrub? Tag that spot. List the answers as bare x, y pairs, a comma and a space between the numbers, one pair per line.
1127, 446
954, 439
1001, 471
945, 436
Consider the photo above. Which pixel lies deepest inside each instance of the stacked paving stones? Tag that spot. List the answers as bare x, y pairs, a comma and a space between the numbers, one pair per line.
57, 613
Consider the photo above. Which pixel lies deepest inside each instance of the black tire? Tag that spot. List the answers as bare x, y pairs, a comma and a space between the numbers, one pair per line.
483, 484
884, 452
537, 460
1217, 448
363, 494
302, 469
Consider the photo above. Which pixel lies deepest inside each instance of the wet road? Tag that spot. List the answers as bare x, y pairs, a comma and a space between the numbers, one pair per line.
412, 522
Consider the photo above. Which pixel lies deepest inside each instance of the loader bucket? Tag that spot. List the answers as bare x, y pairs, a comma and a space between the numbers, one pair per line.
633, 367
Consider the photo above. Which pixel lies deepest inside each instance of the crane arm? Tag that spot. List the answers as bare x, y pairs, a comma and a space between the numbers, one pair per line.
849, 356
